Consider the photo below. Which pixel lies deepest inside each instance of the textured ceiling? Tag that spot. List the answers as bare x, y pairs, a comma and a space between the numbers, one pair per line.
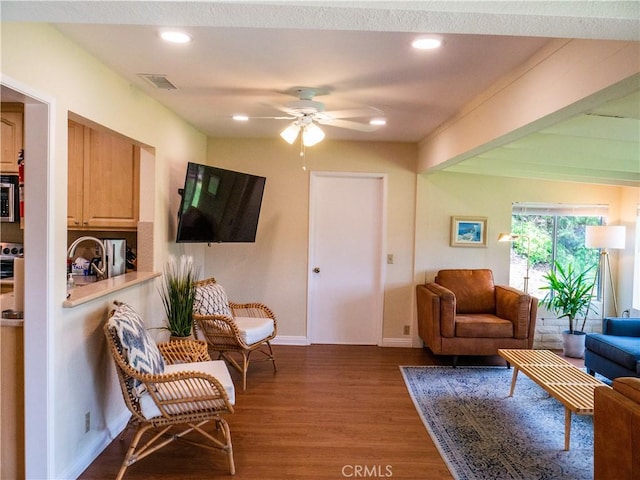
245, 56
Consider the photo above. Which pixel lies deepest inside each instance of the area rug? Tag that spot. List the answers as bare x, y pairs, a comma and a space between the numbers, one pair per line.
482, 433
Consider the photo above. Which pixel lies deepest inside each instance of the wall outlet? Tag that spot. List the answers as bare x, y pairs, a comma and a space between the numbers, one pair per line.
87, 422
407, 330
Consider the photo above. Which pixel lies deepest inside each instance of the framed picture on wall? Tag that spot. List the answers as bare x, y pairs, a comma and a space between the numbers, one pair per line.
468, 231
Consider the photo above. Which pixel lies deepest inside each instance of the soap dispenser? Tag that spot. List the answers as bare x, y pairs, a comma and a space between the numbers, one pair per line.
70, 283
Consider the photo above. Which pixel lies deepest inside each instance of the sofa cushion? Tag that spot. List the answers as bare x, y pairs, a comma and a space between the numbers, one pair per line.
624, 351
629, 387
474, 289
483, 326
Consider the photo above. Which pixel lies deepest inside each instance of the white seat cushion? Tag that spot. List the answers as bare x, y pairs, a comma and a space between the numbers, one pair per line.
215, 368
254, 329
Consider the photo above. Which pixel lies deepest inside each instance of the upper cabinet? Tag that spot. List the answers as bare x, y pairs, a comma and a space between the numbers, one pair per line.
12, 136
104, 179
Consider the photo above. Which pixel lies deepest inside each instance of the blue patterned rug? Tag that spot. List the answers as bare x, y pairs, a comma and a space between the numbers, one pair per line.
482, 433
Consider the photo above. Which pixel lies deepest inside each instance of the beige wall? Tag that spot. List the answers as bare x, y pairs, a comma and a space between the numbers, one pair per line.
65, 347
274, 269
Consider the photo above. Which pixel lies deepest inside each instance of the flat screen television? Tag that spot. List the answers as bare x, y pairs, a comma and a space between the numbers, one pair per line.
219, 205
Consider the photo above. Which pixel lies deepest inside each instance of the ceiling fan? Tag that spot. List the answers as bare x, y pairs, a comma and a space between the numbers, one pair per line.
307, 113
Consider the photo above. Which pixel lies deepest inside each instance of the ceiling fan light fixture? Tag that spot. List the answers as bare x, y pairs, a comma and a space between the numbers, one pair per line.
290, 133
174, 36
311, 135
426, 43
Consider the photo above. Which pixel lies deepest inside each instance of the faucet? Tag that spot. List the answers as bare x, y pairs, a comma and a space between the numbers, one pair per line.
99, 272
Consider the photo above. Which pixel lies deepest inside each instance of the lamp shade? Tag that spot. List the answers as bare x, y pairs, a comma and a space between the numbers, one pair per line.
507, 237
604, 236
290, 133
312, 134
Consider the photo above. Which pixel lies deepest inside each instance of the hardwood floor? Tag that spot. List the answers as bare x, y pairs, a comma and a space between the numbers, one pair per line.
329, 412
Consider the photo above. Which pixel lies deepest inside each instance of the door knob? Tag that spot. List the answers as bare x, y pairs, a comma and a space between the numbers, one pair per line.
316, 270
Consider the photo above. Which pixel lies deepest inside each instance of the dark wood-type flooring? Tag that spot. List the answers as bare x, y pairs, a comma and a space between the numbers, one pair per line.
329, 412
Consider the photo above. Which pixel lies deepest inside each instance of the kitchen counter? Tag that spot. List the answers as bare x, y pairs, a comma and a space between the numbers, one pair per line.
91, 291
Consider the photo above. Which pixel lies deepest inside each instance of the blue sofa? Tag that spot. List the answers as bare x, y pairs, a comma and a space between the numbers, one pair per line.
616, 351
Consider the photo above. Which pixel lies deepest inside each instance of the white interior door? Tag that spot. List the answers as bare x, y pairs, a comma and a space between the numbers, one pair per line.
346, 268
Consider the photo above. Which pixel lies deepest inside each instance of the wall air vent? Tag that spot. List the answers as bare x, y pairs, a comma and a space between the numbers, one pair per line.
158, 81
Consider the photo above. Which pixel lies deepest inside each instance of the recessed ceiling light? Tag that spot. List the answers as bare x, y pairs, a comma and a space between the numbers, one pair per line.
174, 36
378, 121
426, 43
240, 118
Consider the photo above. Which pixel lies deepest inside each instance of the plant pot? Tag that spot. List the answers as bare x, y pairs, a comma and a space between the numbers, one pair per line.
573, 343
176, 337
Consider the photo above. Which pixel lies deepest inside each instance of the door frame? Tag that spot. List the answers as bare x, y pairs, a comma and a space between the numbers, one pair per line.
382, 177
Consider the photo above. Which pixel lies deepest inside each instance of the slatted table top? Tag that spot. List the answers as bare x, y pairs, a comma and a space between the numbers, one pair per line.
562, 380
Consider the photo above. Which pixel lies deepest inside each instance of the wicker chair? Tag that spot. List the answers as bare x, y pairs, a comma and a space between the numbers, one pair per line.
233, 328
190, 392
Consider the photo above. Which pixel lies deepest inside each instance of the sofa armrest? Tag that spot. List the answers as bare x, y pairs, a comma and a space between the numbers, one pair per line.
447, 309
616, 432
623, 327
514, 305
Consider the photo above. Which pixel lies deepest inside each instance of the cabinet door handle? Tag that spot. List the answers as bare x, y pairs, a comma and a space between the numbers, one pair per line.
316, 270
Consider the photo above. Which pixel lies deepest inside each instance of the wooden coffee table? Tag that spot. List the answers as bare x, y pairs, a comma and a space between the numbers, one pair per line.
563, 381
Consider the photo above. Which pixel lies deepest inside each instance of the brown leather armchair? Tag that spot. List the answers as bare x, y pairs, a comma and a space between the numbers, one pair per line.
464, 313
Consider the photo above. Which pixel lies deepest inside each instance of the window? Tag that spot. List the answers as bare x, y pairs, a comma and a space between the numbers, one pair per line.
550, 233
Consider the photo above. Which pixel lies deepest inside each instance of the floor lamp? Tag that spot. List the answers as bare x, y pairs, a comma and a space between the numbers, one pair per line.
511, 237
605, 237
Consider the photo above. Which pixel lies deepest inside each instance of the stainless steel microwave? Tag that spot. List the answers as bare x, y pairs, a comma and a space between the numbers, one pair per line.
9, 200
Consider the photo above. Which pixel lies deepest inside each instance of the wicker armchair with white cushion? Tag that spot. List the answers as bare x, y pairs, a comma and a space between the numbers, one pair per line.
170, 388
233, 328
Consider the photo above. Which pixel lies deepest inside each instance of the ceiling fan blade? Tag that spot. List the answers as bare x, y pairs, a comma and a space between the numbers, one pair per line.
289, 111
354, 112
362, 127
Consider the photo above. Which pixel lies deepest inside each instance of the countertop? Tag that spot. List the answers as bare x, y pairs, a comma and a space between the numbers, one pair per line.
91, 291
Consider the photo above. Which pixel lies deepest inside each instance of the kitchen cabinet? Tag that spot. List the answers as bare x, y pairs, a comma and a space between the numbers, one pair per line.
12, 399
12, 135
104, 179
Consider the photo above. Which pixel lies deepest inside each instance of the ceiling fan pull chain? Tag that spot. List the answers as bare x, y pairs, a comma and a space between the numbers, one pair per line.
303, 154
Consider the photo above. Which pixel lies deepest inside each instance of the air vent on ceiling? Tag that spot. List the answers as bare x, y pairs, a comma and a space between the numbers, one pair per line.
158, 81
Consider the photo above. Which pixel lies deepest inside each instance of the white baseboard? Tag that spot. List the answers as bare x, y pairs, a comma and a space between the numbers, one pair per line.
94, 445
403, 342
290, 340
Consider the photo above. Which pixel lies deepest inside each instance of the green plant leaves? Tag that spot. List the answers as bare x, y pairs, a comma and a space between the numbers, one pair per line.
178, 293
569, 292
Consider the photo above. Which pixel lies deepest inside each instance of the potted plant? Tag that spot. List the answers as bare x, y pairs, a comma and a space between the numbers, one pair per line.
178, 292
569, 294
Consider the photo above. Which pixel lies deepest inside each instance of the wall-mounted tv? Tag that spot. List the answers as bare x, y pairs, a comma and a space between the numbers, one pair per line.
219, 205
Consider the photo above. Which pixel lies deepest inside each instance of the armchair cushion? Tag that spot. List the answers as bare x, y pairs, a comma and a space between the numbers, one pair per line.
211, 299
483, 325
473, 289
138, 348
254, 329
215, 368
